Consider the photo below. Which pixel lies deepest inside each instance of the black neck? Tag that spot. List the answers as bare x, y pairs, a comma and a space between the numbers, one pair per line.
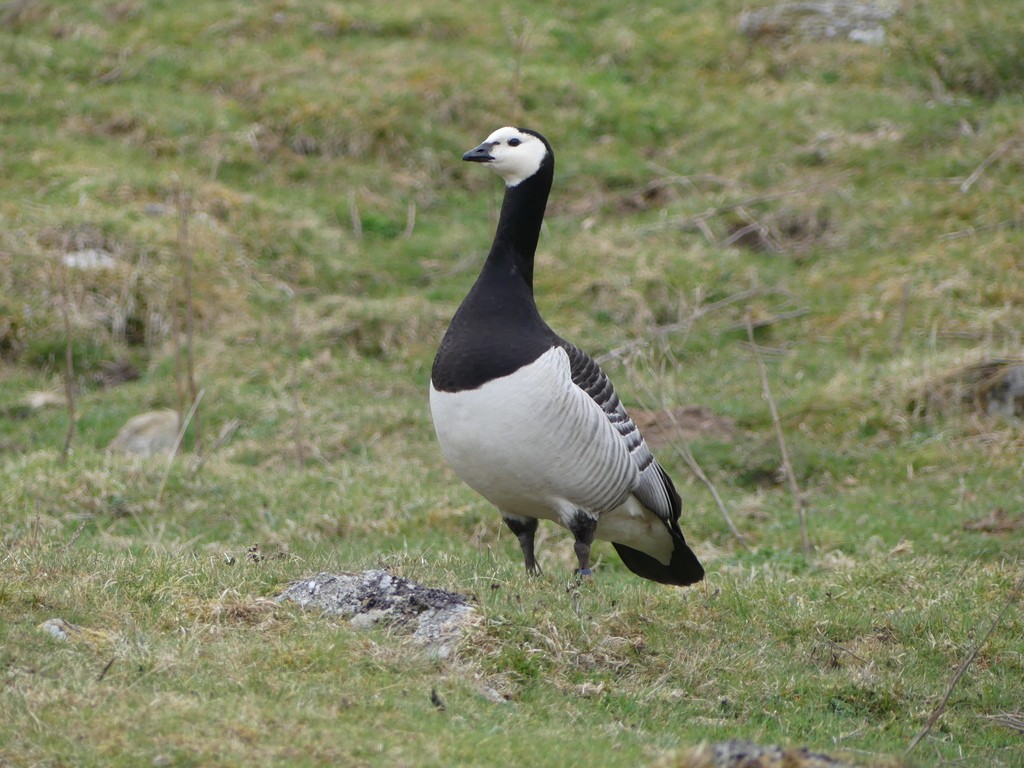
497, 328
522, 213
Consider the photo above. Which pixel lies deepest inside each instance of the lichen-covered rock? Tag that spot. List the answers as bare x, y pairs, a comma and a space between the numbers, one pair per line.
860, 21
745, 754
434, 617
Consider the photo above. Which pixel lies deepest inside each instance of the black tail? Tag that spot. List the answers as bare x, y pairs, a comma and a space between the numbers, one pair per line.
683, 569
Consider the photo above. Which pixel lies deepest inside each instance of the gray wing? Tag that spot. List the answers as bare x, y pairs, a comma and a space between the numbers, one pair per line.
654, 488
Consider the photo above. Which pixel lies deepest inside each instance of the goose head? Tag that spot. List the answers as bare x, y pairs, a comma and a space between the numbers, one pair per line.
515, 154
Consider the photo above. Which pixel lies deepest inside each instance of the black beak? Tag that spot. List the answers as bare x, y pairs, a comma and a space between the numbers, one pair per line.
481, 154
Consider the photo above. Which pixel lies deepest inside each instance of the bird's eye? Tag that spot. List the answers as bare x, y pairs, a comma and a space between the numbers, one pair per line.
514, 142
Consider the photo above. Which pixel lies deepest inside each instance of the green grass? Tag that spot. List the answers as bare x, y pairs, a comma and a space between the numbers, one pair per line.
283, 121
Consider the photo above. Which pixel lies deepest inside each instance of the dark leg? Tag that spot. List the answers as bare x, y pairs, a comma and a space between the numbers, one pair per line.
583, 528
525, 529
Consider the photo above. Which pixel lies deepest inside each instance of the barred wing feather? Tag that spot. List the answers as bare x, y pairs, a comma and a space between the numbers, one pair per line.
654, 488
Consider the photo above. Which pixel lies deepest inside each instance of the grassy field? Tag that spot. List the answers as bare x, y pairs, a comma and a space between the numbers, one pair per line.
861, 205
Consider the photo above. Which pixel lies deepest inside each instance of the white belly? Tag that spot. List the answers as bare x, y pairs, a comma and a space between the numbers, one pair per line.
534, 444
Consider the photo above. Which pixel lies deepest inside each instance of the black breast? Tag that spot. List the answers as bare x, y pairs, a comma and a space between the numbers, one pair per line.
486, 343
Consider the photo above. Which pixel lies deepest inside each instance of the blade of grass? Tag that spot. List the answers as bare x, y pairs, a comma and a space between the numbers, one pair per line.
69, 360
177, 444
184, 205
787, 465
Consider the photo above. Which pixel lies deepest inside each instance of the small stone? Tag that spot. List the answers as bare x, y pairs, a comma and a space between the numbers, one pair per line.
434, 617
65, 630
147, 434
90, 258
58, 628
492, 695
42, 399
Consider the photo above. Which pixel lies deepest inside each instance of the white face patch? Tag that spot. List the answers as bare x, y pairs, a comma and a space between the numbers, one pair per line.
517, 155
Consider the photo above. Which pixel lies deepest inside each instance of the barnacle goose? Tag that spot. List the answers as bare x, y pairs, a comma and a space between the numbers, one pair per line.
530, 421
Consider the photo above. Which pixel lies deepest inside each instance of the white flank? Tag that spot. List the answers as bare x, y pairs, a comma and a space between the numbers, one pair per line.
535, 445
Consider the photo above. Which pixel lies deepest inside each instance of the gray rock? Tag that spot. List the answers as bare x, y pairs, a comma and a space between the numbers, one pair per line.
858, 21
155, 209
1006, 394
745, 754
59, 628
434, 617
65, 630
90, 258
147, 434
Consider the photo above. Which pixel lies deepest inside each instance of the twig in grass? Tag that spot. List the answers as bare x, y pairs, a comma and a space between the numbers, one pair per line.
664, 330
179, 369
901, 318
968, 660
184, 203
36, 522
410, 220
293, 353
1012, 720
763, 350
682, 450
960, 234
177, 443
76, 534
40, 728
847, 651
69, 360
226, 432
764, 322
998, 152
787, 465
837, 647
106, 668
353, 214
765, 237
